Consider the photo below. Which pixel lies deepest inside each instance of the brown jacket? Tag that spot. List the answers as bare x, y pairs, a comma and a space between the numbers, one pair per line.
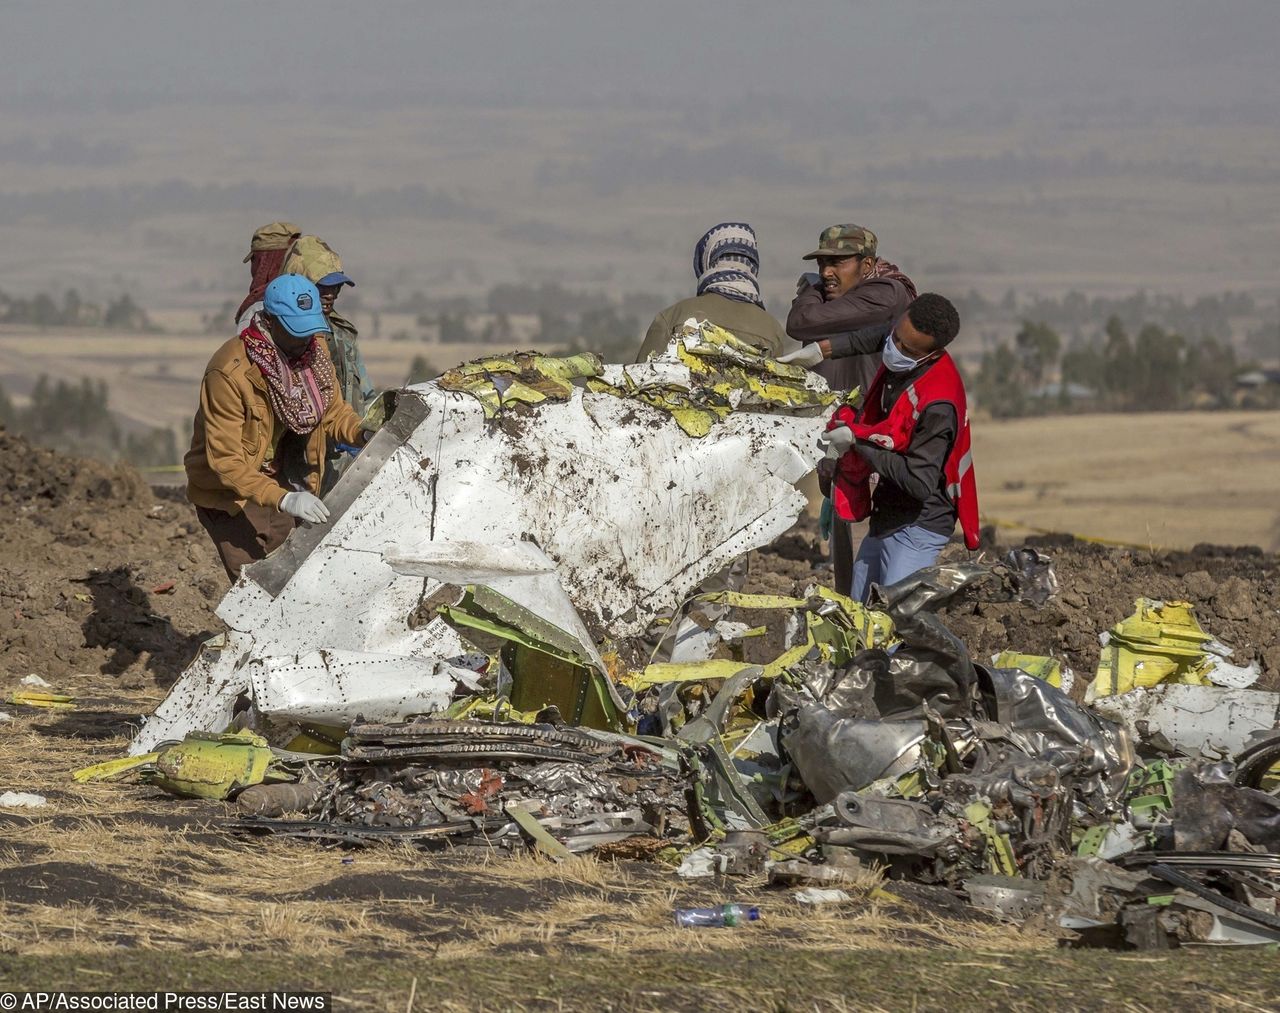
234, 432
877, 300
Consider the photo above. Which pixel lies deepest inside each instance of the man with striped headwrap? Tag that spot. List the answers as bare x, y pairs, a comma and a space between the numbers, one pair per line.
726, 262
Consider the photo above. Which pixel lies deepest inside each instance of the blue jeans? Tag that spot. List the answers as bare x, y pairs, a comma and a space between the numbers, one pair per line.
887, 560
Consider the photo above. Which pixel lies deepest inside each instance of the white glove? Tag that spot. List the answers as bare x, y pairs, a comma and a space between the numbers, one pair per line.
836, 442
806, 355
307, 508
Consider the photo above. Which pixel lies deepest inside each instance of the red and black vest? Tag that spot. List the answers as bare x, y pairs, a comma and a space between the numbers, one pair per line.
851, 492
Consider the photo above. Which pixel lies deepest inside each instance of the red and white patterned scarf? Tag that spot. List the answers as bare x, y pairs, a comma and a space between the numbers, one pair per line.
301, 389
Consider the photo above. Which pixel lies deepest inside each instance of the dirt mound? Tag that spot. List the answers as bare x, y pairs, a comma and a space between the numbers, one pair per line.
88, 550
1235, 591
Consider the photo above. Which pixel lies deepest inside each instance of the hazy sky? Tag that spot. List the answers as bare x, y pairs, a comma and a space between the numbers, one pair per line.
1183, 53
991, 142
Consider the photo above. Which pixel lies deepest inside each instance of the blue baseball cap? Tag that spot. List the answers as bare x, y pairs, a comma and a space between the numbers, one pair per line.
295, 302
336, 278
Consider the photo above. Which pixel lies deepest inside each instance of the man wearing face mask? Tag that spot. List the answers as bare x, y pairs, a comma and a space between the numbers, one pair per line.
269, 398
913, 432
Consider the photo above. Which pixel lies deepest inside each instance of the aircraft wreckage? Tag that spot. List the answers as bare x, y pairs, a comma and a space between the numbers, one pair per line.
517, 629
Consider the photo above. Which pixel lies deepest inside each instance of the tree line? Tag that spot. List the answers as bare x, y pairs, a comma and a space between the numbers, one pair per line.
43, 310
1152, 370
76, 417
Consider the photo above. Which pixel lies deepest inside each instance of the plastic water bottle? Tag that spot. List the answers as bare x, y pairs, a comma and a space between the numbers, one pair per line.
725, 914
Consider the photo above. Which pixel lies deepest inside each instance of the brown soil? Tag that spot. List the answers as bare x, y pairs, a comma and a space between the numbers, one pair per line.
85, 546
1235, 591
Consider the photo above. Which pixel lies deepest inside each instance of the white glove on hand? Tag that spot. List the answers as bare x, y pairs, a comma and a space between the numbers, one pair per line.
836, 442
307, 508
806, 355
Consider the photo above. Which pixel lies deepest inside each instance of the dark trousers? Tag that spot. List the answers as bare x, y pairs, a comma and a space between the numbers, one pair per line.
246, 537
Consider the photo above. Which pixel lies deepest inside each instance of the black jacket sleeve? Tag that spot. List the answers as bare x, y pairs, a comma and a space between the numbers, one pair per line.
918, 471
866, 341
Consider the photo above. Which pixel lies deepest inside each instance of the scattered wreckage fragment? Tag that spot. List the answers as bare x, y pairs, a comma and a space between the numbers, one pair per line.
466, 782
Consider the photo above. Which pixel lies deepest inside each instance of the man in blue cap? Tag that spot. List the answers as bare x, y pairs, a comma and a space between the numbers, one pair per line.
269, 403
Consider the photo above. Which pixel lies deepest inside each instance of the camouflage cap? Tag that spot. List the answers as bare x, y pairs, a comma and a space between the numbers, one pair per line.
314, 259
276, 236
844, 241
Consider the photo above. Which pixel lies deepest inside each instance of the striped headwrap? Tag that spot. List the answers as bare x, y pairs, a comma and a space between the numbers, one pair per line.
727, 260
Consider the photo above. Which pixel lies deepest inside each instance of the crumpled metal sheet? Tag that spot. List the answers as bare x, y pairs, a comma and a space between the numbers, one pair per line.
1032, 576
1208, 806
887, 826
335, 687
1008, 897
834, 754
933, 663
588, 480
1048, 719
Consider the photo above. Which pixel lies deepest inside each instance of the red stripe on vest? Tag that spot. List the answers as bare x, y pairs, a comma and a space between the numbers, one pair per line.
851, 491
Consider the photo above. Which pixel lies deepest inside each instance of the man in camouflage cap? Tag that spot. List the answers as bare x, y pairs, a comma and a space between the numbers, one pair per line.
844, 241
854, 288
316, 260
267, 252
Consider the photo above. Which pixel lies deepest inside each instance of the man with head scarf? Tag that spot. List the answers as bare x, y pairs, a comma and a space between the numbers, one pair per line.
269, 401
726, 262
268, 249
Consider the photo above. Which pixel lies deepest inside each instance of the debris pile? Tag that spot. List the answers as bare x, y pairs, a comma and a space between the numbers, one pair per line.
463, 655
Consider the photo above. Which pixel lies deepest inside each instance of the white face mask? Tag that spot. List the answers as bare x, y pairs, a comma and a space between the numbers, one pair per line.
895, 360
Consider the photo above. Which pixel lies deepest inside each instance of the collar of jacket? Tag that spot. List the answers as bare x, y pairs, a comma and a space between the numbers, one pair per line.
340, 323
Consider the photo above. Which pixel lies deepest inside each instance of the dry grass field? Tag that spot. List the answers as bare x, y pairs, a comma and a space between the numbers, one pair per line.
155, 378
1163, 480
121, 886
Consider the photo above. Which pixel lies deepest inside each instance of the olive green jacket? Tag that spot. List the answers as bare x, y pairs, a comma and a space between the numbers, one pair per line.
744, 320
353, 378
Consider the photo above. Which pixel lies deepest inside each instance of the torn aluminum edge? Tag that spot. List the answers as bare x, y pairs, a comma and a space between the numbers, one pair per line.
1196, 720
631, 511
